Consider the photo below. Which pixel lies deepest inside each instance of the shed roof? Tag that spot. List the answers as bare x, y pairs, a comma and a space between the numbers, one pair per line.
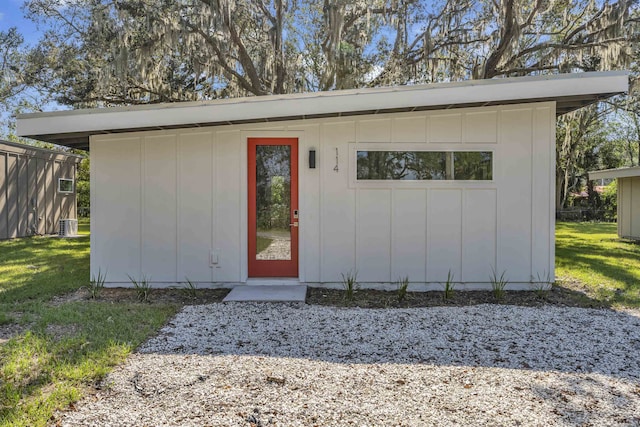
615, 173
570, 91
43, 153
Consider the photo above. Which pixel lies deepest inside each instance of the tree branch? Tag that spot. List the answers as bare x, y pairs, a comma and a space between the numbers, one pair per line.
213, 44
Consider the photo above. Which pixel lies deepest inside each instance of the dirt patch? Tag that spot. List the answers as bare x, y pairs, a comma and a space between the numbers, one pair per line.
74, 296
366, 298
9, 330
59, 332
156, 296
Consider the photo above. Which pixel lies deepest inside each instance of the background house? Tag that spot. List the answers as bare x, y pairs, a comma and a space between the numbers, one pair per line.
37, 189
418, 181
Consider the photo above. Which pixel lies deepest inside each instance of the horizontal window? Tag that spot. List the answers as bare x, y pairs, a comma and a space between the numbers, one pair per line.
472, 165
425, 165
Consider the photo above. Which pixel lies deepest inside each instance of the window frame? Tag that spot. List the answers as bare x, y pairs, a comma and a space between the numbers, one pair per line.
354, 182
73, 186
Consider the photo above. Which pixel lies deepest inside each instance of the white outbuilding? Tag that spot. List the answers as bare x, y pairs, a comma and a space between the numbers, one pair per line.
417, 181
628, 198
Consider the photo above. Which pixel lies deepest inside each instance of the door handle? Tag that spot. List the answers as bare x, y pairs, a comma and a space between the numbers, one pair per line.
295, 224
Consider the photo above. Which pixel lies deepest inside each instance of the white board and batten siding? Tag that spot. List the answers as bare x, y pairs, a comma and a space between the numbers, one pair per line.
170, 205
629, 207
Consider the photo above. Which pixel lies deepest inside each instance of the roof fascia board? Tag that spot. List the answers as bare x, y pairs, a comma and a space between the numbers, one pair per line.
615, 173
254, 108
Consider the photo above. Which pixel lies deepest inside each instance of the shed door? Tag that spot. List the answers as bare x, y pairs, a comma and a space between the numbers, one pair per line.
273, 207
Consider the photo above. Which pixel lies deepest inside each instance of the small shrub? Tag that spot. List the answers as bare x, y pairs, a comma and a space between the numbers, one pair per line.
190, 289
541, 285
498, 283
96, 284
401, 290
350, 284
142, 287
449, 287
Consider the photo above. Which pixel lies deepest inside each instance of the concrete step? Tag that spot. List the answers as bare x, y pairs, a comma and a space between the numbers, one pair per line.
267, 293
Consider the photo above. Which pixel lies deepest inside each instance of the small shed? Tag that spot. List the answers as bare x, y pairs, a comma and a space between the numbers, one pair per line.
37, 189
628, 198
418, 181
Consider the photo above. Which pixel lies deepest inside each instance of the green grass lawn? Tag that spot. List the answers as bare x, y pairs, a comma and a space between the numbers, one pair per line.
590, 257
64, 347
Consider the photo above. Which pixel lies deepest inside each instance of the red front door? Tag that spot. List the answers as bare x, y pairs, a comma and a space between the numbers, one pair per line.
273, 207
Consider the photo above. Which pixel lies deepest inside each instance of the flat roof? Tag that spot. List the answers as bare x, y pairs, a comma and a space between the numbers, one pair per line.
615, 173
570, 92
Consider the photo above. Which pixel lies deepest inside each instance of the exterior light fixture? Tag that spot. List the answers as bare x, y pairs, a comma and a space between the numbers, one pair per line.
312, 158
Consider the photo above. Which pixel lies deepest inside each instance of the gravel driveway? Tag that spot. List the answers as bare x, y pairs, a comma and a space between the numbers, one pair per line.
247, 364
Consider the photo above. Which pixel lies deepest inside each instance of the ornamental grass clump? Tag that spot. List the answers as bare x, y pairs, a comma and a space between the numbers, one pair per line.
401, 288
542, 285
449, 287
142, 287
350, 284
189, 288
96, 284
498, 283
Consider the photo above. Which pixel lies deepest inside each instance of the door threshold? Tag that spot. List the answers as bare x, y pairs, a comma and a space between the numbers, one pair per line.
273, 281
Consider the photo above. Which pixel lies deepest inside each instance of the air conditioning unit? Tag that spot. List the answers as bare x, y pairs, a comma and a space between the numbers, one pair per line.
68, 228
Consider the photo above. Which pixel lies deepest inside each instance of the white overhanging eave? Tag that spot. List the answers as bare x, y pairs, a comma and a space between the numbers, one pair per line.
569, 91
615, 173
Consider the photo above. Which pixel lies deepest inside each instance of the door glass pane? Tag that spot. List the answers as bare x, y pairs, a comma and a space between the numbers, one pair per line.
273, 202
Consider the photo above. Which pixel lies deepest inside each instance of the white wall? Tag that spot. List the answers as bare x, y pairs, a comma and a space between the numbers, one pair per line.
162, 201
629, 207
